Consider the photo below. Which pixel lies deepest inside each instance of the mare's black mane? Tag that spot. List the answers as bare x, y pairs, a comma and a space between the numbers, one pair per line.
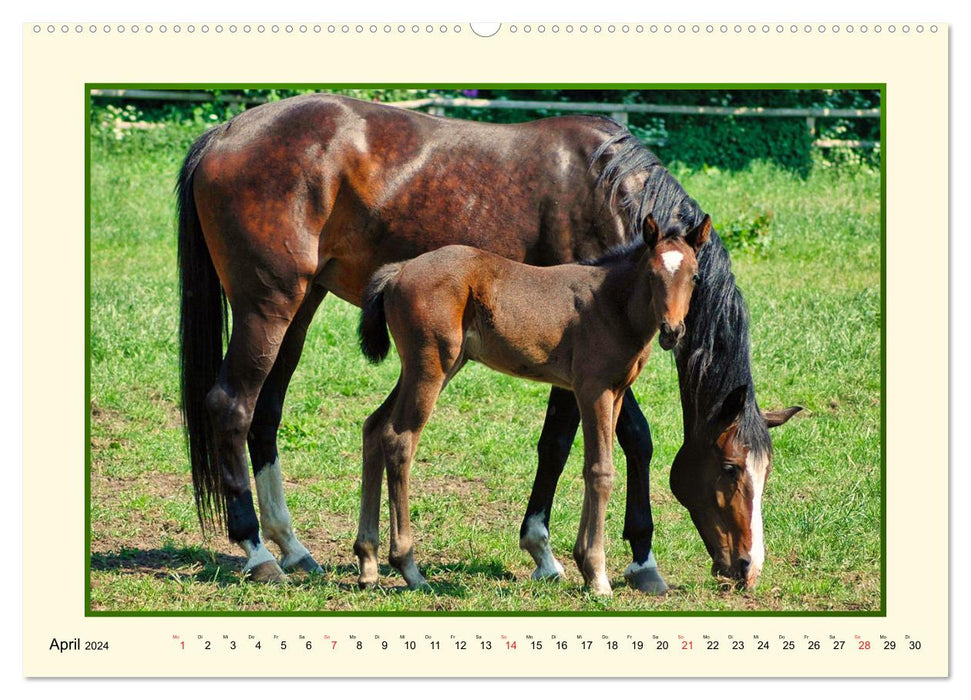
637, 184
714, 358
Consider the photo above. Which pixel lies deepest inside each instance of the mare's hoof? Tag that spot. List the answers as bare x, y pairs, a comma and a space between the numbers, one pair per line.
267, 572
646, 580
420, 586
307, 563
548, 573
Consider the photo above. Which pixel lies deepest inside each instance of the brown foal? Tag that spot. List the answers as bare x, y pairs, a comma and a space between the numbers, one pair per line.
586, 328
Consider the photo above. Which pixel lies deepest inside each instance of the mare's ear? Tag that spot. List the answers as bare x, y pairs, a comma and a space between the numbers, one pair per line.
652, 232
774, 418
698, 236
731, 408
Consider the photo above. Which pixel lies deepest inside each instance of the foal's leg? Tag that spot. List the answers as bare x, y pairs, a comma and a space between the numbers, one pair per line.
366, 544
411, 411
634, 435
274, 514
597, 413
253, 348
559, 429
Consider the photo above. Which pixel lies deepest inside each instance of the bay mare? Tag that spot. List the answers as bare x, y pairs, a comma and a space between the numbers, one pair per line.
585, 328
291, 200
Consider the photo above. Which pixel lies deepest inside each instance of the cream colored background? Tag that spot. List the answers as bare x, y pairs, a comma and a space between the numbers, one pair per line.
56, 68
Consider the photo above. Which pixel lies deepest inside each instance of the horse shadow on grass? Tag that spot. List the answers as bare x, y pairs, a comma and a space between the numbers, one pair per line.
441, 576
168, 563
204, 566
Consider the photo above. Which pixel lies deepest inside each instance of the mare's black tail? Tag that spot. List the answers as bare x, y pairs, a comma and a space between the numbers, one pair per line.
203, 321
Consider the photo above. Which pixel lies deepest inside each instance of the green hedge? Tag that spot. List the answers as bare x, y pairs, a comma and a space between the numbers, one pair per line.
730, 143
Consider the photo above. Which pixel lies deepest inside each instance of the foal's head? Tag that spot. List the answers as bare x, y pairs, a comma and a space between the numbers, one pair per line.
719, 475
673, 272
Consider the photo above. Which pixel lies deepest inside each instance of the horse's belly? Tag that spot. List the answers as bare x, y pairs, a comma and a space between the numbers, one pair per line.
498, 355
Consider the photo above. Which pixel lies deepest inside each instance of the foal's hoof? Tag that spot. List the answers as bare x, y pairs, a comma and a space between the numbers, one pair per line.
420, 586
267, 572
413, 577
307, 563
601, 587
645, 579
368, 579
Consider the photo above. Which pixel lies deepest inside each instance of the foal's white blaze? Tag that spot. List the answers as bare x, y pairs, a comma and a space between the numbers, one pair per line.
672, 260
757, 465
274, 515
536, 541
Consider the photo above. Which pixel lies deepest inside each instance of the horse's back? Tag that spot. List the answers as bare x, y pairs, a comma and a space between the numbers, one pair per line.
329, 188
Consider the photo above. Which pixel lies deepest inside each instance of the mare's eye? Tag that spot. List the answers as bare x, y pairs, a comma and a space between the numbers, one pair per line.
730, 469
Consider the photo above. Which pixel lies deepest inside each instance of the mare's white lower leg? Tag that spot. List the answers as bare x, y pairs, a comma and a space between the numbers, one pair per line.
260, 563
275, 519
645, 577
536, 541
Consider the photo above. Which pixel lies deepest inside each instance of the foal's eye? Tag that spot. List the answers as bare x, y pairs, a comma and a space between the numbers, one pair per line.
696, 278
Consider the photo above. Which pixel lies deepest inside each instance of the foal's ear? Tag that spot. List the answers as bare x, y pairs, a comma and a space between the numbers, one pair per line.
652, 232
774, 418
731, 408
698, 236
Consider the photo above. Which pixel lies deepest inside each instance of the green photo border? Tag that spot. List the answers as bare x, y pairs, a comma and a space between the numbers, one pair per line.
882, 87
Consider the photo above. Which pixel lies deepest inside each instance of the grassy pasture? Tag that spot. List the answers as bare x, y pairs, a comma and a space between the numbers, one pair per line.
814, 298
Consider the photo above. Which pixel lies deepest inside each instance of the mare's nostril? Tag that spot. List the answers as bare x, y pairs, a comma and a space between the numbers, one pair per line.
743, 565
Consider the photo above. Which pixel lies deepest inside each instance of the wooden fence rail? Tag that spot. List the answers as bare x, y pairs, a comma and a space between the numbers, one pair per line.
618, 111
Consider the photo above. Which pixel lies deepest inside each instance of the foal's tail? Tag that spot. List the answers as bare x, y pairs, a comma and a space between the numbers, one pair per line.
373, 328
203, 323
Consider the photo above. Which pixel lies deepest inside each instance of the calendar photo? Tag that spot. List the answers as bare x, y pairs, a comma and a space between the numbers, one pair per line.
223, 463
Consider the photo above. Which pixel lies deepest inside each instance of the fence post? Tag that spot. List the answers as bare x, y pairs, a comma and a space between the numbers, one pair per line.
619, 117
811, 125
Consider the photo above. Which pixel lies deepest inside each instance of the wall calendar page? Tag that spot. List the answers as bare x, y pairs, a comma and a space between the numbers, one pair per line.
516, 350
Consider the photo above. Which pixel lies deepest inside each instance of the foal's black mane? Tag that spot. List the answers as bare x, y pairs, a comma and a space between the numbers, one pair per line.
624, 251
713, 358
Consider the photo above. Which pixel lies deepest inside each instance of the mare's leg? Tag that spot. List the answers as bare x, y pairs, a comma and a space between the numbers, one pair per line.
274, 514
366, 544
559, 429
253, 348
634, 435
597, 413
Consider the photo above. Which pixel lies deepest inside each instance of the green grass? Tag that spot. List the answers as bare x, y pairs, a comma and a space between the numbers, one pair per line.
814, 297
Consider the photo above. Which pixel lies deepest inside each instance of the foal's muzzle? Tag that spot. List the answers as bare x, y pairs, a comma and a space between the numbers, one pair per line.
670, 335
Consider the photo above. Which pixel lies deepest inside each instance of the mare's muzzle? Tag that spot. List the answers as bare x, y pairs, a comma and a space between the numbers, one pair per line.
741, 572
670, 335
